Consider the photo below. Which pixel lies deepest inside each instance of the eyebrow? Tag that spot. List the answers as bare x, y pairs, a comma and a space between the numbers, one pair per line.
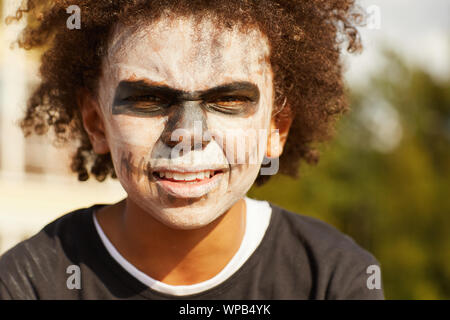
128, 88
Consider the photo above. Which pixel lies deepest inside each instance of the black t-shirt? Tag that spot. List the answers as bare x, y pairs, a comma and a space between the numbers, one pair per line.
299, 257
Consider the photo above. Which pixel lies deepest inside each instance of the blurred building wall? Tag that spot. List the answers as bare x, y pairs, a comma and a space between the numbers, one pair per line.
36, 185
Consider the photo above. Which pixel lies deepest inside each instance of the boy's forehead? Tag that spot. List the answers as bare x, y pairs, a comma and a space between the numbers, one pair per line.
188, 55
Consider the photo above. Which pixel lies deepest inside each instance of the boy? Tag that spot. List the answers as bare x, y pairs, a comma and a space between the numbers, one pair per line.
172, 98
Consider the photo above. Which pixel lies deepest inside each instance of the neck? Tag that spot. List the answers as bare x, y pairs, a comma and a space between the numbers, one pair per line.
172, 256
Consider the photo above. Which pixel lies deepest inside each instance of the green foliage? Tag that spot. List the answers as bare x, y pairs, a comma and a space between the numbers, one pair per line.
385, 180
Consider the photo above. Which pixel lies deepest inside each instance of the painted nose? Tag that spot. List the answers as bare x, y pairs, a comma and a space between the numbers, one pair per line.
187, 125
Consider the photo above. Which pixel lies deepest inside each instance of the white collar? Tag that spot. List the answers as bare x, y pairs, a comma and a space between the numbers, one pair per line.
258, 215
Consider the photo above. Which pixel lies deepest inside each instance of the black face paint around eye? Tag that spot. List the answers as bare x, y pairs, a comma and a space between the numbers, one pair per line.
141, 98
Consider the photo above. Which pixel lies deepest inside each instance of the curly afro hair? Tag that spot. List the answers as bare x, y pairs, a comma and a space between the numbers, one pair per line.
307, 36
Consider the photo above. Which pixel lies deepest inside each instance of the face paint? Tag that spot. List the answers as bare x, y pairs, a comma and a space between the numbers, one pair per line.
176, 85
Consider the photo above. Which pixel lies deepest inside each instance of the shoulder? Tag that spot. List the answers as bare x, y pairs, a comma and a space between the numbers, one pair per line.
316, 235
340, 264
34, 260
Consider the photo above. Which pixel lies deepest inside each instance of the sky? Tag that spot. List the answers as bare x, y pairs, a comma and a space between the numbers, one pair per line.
418, 29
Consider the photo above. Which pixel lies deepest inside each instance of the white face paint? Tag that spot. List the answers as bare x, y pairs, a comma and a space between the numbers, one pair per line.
192, 189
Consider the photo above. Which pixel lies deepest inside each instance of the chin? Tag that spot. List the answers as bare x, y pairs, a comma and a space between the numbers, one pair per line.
186, 219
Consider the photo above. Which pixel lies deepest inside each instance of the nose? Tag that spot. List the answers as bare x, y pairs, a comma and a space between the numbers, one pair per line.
186, 124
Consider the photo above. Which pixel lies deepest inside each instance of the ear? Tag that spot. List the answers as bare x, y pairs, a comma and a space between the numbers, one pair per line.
279, 130
92, 121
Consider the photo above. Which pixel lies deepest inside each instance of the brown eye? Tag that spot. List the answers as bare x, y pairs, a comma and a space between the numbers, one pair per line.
230, 101
146, 103
232, 105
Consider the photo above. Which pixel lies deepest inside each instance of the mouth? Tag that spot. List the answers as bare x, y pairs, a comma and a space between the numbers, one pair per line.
183, 184
186, 177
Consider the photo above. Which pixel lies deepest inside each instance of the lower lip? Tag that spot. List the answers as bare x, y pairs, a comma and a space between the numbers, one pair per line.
190, 189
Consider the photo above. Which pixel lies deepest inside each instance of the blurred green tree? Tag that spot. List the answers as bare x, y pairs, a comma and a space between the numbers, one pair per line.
385, 179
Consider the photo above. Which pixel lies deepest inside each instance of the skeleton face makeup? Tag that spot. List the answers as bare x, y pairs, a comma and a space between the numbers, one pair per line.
175, 97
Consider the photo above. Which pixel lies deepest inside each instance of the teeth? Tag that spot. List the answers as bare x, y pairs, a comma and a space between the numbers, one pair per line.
201, 175
190, 176
178, 176
186, 176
